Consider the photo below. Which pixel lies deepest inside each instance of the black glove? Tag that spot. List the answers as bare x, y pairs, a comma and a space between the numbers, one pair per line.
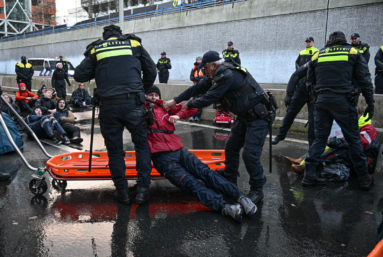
287, 100
370, 110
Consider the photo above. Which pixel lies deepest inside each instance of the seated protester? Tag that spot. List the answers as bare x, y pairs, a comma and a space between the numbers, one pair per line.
43, 126
41, 91
46, 103
182, 168
66, 120
80, 97
5, 108
25, 99
196, 75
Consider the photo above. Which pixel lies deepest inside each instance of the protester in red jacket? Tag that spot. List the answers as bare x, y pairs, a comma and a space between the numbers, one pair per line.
182, 168
25, 99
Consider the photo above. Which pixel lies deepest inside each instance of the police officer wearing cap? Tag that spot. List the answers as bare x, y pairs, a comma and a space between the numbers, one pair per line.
363, 48
238, 92
379, 71
297, 96
331, 75
64, 63
231, 55
116, 62
163, 67
24, 72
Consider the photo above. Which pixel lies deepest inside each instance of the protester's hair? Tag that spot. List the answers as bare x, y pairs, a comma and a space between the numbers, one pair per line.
219, 62
360, 110
57, 65
5, 93
340, 39
79, 84
34, 110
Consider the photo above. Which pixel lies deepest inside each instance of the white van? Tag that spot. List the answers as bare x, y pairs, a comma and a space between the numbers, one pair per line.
45, 67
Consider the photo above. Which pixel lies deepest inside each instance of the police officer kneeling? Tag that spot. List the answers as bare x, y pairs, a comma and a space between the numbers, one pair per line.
331, 73
116, 63
238, 92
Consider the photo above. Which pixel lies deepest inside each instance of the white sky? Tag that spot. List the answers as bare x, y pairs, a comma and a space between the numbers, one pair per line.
62, 6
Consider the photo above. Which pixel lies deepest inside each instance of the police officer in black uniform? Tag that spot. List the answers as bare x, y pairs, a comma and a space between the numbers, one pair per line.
24, 72
116, 63
238, 92
163, 66
231, 55
297, 95
331, 74
379, 71
363, 48
64, 63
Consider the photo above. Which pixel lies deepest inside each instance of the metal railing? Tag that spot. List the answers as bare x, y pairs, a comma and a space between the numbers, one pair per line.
148, 14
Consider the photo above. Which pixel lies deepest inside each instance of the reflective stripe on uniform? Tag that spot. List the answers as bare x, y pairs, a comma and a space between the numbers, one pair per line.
381, 48
307, 51
333, 53
113, 53
337, 58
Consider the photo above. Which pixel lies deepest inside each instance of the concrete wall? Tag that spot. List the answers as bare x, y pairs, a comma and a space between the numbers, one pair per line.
268, 33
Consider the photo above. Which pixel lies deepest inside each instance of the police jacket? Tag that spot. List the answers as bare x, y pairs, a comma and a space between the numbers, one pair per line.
65, 65
231, 55
305, 56
295, 80
197, 74
79, 96
58, 78
364, 49
233, 87
334, 67
379, 61
163, 65
24, 71
157, 139
45, 104
116, 64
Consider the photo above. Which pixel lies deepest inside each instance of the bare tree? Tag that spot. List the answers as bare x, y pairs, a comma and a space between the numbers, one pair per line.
43, 12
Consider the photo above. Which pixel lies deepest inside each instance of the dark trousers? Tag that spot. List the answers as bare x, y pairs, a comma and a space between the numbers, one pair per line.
24, 106
113, 119
44, 127
345, 114
163, 77
61, 91
379, 83
251, 136
184, 170
299, 100
71, 130
198, 113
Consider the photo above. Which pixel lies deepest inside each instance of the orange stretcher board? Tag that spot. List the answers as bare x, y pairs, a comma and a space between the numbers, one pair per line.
74, 166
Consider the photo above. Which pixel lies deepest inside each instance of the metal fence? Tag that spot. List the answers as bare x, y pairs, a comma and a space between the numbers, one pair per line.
149, 14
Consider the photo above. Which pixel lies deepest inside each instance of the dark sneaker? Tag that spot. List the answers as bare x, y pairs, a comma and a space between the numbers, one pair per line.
55, 141
234, 211
255, 194
142, 195
66, 141
311, 179
276, 140
122, 195
4, 176
76, 140
366, 182
248, 206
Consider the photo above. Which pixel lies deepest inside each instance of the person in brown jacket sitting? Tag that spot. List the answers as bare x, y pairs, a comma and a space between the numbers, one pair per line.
66, 120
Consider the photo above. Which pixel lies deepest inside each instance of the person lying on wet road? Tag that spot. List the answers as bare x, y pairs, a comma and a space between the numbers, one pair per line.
66, 119
43, 126
46, 103
337, 152
182, 168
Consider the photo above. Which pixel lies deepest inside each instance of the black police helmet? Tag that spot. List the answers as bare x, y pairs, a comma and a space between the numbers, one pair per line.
336, 34
111, 30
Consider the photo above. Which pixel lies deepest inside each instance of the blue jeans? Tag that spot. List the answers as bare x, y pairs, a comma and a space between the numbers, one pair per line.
113, 119
184, 170
44, 127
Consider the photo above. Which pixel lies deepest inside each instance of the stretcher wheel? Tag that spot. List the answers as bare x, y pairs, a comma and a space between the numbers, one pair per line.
38, 188
59, 184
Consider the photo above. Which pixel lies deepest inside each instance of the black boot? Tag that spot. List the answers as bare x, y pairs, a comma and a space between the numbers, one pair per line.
222, 173
276, 140
255, 194
142, 195
4, 176
122, 195
366, 182
311, 179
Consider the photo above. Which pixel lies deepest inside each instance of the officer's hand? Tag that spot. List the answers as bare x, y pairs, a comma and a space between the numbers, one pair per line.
169, 104
287, 100
370, 111
174, 118
184, 106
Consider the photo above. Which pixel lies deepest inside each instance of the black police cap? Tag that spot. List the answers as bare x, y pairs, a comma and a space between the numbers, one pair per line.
230, 43
163, 53
336, 34
310, 39
23, 57
208, 57
355, 35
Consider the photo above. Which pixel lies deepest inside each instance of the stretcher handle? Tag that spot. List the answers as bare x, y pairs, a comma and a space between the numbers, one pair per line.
15, 146
26, 126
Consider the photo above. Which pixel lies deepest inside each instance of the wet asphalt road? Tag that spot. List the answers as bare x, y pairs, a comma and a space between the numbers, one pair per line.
335, 220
